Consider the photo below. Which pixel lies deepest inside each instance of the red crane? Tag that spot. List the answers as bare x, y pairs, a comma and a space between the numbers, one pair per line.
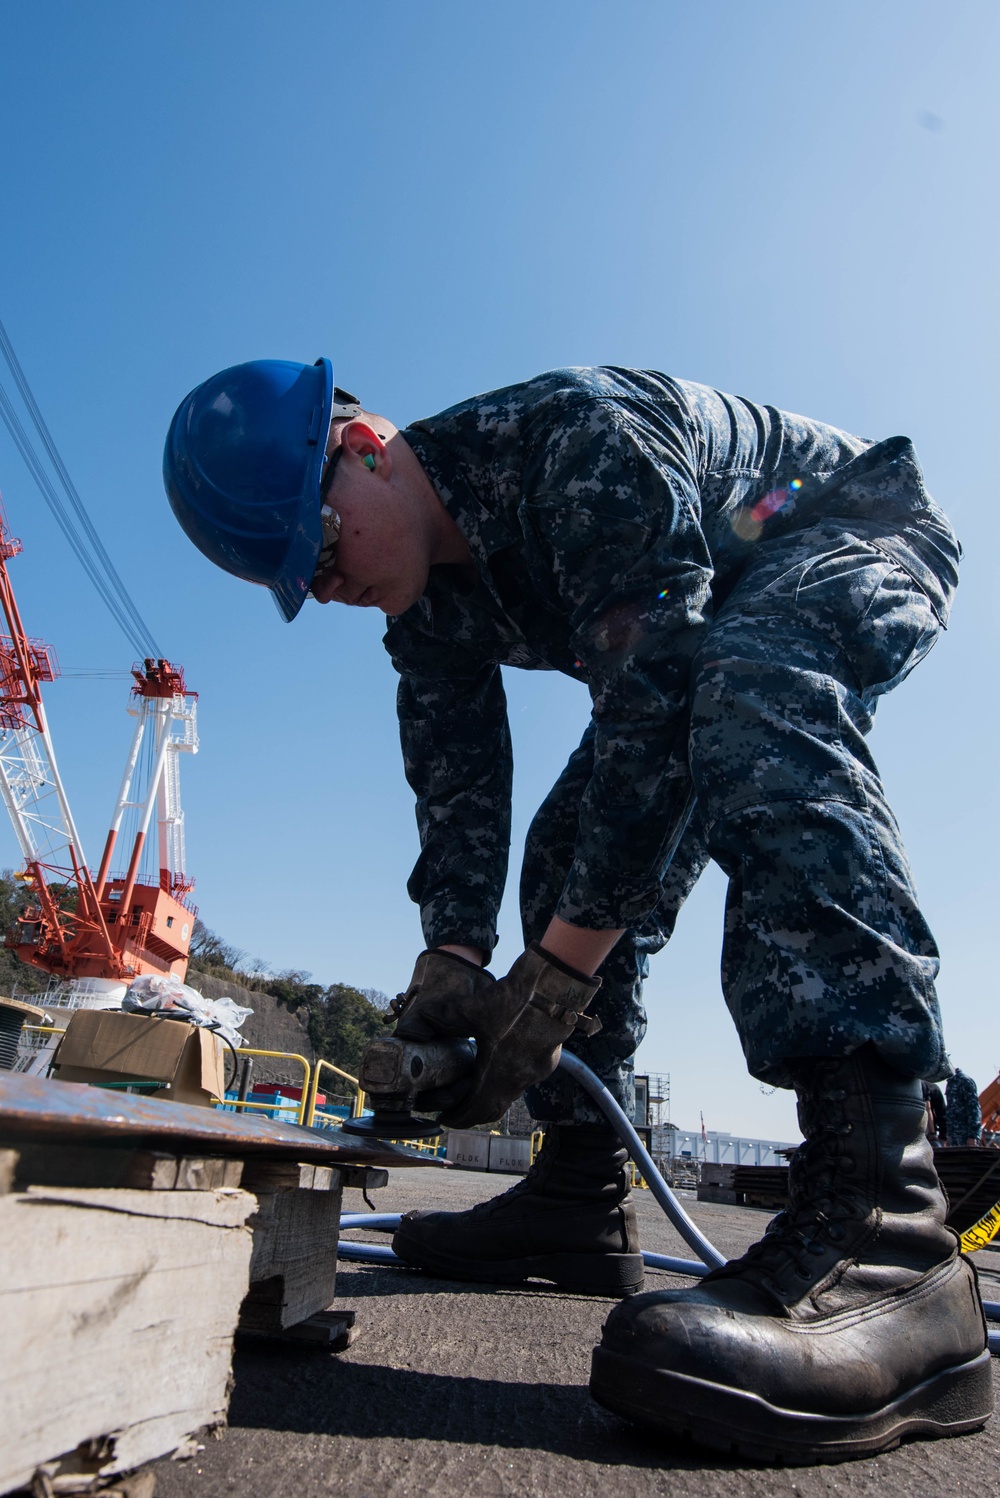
119, 925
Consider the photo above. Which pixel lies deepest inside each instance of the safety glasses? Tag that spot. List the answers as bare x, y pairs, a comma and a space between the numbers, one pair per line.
329, 522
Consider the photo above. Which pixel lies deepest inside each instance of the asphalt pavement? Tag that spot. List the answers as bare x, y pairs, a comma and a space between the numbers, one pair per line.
457, 1391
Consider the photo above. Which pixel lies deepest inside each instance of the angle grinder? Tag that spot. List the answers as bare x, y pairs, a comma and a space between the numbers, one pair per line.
397, 1074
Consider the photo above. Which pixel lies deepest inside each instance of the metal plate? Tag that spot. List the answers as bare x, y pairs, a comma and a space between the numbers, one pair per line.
41, 1110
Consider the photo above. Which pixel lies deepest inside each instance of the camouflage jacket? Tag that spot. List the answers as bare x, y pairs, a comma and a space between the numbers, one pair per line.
608, 512
964, 1118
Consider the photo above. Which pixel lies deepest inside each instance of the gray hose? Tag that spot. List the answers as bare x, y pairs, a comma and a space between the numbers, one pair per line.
710, 1257
624, 1128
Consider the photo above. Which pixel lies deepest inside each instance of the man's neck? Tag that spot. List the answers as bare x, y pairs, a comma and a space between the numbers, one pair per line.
448, 543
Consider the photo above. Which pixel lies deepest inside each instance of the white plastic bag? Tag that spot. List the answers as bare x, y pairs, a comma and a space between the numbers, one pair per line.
155, 994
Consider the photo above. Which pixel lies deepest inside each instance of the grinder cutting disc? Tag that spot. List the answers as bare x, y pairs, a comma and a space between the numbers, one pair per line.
391, 1126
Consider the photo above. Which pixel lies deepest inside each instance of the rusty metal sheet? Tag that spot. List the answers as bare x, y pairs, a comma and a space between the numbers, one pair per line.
39, 1109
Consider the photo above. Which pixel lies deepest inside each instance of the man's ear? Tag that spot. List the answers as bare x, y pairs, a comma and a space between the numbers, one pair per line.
360, 442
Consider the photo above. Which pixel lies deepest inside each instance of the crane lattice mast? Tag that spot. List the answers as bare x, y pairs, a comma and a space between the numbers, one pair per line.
33, 792
167, 712
119, 925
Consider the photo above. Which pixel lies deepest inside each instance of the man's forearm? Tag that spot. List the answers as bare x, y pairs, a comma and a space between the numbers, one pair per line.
471, 954
576, 946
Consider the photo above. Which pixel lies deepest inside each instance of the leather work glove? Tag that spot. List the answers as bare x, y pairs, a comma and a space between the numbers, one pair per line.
443, 992
441, 998
519, 1024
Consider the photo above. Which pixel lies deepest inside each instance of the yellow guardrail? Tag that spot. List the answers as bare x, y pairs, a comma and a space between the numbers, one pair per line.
424, 1146
310, 1079
282, 1056
357, 1107
638, 1180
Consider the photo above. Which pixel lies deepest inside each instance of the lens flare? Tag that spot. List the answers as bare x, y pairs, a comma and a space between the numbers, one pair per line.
749, 523
770, 504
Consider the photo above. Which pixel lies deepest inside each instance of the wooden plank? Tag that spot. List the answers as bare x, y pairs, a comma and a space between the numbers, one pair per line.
364, 1177
225, 1207
293, 1270
208, 1173
712, 1174
108, 1165
326, 1331
117, 1311
971, 1177
8, 1170
36, 1109
720, 1194
288, 1175
765, 1200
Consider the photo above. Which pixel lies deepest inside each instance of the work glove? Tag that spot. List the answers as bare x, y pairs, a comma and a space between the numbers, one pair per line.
443, 991
442, 995
519, 1025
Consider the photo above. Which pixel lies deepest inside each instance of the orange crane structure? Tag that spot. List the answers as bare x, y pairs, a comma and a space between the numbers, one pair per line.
989, 1105
114, 926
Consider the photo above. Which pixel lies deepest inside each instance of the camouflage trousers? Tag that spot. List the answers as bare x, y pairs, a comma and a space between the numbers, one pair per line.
824, 944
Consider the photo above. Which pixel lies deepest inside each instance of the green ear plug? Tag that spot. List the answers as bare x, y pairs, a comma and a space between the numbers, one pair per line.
369, 461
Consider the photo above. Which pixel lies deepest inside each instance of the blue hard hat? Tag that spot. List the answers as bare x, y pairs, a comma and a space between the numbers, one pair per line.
243, 464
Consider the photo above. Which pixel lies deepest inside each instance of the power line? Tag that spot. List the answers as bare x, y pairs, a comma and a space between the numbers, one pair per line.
55, 504
77, 527
95, 672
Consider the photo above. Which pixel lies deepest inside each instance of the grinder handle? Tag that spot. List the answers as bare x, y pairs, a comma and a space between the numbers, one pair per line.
390, 1065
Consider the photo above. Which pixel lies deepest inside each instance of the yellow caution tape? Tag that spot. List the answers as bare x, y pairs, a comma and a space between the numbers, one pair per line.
982, 1232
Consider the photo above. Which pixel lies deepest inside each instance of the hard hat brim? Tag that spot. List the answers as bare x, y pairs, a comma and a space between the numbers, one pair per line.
291, 587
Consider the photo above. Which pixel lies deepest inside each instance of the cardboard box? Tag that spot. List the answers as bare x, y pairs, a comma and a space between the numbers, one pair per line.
108, 1046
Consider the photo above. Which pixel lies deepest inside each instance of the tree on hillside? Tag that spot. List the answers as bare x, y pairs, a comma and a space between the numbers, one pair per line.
208, 952
341, 1020
341, 1023
14, 896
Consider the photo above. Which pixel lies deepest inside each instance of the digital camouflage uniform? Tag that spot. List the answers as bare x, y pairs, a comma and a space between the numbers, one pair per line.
735, 586
963, 1115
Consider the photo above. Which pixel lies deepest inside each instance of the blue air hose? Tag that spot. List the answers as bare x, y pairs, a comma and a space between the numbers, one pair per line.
709, 1256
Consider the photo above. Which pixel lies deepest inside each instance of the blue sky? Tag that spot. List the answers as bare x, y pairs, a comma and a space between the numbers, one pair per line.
795, 203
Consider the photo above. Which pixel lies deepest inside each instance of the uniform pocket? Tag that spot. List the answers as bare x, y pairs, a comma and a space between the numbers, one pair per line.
850, 592
895, 633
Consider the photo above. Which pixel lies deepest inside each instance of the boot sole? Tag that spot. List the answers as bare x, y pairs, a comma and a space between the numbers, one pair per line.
614, 1275
956, 1401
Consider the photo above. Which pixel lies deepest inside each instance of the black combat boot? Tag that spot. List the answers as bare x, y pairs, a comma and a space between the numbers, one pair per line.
853, 1323
571, 1220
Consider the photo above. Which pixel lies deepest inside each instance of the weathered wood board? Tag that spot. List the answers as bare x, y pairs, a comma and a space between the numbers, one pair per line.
293, 1269
63, 1164
117, 1312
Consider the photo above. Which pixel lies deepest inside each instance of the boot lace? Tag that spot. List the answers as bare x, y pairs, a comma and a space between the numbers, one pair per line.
820, 1204
524, 1187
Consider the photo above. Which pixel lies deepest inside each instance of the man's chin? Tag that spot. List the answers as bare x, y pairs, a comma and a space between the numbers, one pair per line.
397, 604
